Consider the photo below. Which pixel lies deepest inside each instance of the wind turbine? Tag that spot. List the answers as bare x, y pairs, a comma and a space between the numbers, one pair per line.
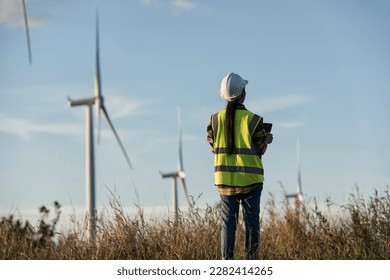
97, 100
27, 30
177, 174
298, 196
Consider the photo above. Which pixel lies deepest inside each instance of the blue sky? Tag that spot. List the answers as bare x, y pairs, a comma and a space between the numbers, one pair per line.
318, 70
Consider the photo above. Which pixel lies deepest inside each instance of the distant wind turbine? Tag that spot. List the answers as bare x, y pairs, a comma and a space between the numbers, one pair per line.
97, 100
298, 196
177, 174
27, 31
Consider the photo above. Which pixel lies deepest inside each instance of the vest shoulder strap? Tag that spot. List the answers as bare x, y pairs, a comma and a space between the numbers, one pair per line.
254, 123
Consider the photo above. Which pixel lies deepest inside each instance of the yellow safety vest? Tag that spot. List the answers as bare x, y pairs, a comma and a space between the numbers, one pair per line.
243, 167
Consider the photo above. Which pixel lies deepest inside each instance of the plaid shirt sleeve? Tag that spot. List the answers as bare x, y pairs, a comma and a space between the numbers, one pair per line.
259, 139
210, 136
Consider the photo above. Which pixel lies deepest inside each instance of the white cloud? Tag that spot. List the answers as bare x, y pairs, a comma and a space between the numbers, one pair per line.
24, 128
119, 107
183, 4
147, 2
291, 124
273, 104
178, 5
11, 14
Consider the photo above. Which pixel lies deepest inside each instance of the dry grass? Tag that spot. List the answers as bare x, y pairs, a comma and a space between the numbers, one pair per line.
360, 230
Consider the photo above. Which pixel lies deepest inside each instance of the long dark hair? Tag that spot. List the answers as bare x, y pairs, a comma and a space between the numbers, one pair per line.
229, 124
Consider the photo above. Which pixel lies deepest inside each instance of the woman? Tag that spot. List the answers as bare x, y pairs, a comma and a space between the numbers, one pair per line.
238, 140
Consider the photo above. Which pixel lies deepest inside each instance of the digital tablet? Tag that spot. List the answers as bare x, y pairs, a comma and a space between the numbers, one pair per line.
267, 127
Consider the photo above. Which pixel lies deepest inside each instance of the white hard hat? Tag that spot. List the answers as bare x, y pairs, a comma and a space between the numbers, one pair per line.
232, 86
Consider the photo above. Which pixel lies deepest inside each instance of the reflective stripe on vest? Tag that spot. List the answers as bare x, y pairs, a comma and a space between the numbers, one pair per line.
243, 167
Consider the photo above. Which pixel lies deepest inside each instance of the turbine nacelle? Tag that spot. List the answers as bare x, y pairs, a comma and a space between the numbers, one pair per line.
181, 174
88, 101
99, 101
169, 174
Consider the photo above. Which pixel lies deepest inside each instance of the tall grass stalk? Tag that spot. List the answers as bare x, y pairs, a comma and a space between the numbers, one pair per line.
359, 230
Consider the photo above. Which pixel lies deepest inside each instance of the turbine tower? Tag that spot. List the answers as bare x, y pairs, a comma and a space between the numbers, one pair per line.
298, 196
89, 102
177, 174
27, 31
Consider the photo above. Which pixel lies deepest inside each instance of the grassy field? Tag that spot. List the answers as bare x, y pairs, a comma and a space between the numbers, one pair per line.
359, 230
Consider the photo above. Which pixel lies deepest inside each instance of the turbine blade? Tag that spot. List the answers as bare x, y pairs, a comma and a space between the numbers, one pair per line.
103, 108
98, 81
185, 191
27, 31
180, 163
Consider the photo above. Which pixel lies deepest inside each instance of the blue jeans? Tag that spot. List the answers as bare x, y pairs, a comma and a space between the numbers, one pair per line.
251, 213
